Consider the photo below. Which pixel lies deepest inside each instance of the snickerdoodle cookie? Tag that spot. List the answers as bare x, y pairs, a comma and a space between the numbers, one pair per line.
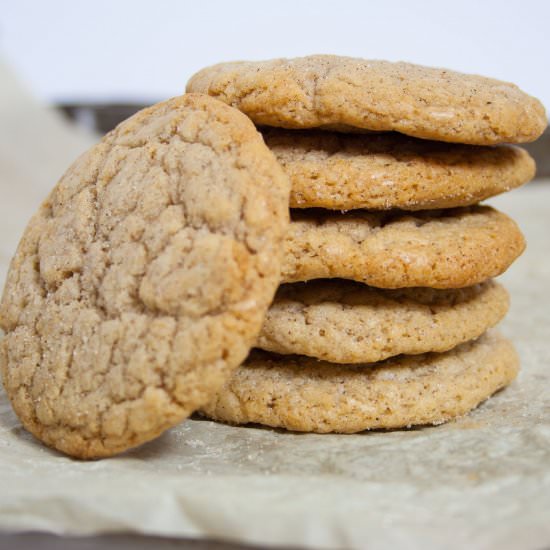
131, 299
307, 395
343, 92
384, 171
347, 322
450, 248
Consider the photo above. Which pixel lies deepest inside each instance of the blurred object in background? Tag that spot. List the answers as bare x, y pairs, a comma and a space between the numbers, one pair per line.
540, 151
100, 117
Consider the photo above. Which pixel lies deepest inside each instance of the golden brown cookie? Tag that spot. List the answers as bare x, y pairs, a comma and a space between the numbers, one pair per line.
131, 298
347, 322
383, 171
306, 395
338, 92
434, 248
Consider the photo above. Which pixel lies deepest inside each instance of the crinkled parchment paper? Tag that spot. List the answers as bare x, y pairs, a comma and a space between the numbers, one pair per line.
480, 482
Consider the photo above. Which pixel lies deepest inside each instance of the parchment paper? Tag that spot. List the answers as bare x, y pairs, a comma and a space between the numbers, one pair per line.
480, 482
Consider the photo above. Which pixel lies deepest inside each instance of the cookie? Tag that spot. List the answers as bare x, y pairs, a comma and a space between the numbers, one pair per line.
131, 298
341, 92
306, 395
383, 171
346, 322
434, 248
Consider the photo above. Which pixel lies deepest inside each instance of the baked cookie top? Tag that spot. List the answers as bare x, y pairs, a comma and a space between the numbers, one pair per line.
450, 248
347, 322
383, 171
339, 92
307, 395
144, 278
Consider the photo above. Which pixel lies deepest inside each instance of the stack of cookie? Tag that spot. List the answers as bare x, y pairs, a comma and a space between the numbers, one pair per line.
385, 313
147, 274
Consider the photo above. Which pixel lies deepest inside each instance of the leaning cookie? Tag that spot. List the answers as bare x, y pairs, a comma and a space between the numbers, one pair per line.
341, 92
306, 395
131, 299
347, 322
437, 249
384, 171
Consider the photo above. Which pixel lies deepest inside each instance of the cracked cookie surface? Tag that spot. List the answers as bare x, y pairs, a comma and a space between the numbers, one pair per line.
307, 395
144, 278
341, 92
347, 322
450, 248
384, 171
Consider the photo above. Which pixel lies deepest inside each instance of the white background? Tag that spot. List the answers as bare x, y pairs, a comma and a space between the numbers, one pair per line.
145, 50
